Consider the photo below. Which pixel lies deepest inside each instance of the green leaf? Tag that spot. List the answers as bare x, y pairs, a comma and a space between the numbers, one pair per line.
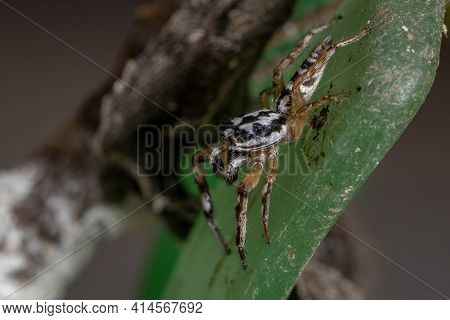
320, 173
161, 265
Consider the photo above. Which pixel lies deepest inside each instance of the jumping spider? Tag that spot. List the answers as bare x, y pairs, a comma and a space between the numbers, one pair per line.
255, 137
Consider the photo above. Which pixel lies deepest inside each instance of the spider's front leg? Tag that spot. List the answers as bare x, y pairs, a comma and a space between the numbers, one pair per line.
249, 182
298, 118
277, 80
325, 100
305, 85
200, 179
272, 159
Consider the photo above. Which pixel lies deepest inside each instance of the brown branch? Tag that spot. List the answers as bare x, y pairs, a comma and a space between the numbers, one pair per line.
199, 65
66, 193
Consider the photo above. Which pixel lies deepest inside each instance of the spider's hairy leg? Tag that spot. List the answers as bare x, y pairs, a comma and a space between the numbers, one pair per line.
277, 80
235, 161
297, 119
272, 159
350, 40
215, 159
325, 100
200, 179
249, 182
304, 85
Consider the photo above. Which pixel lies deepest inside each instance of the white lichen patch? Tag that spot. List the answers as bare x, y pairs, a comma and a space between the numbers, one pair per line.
196, 36
58, 262
15, 185
120, 84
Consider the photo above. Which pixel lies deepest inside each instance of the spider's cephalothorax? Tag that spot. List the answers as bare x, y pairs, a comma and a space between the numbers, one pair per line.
254, 137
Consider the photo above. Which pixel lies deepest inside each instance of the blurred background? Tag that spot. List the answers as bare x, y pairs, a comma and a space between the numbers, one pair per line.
403, 210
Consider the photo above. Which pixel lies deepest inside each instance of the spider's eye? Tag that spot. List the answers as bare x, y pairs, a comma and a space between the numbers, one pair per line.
226, 130
217, 165
232, 177
258, 128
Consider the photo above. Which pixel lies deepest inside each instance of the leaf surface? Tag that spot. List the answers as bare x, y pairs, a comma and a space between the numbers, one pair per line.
321, 172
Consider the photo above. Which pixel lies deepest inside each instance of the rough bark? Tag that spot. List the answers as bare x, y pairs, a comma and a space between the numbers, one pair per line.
67, 193
200, 64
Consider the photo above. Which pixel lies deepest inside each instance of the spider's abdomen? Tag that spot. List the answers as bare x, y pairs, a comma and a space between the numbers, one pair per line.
255, 130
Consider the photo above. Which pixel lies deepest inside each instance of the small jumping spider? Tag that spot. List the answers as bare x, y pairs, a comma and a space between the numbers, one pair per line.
255, 137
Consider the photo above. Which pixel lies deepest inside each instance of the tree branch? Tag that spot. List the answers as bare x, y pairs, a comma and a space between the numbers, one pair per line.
67, 193
199, 65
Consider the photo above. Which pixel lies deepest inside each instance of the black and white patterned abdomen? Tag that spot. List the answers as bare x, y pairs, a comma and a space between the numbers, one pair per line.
255, 130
